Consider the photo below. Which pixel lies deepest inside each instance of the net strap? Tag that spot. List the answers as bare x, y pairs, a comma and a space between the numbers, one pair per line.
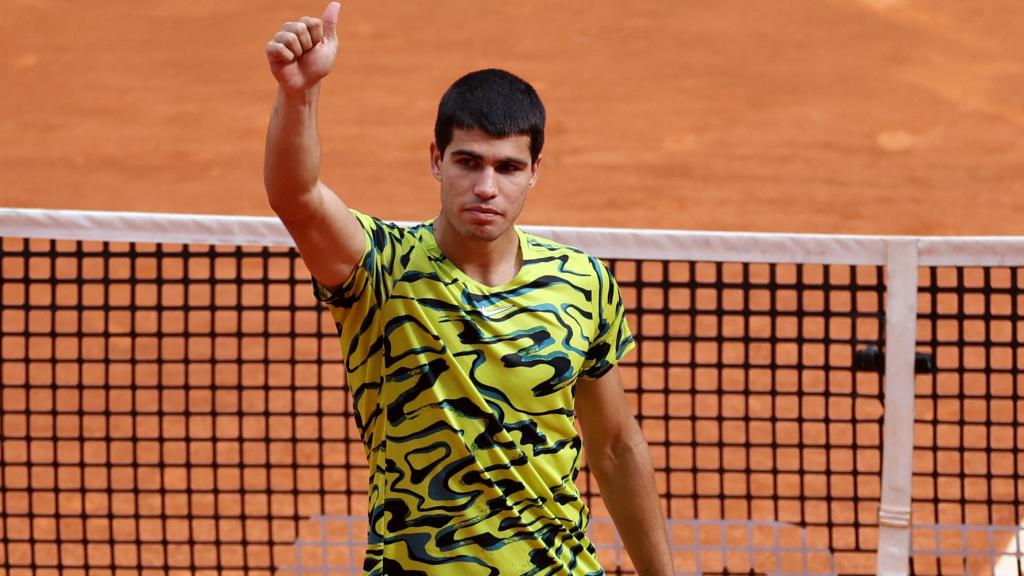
898, 427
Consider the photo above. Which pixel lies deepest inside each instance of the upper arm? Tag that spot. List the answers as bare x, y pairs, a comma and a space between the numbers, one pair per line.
328, 236
602, 409
603, 412
611, 338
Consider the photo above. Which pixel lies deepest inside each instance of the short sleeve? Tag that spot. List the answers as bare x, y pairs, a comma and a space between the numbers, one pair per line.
369, 284
613, 338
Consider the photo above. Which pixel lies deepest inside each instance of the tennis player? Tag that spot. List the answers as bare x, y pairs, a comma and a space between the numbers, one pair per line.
471, 347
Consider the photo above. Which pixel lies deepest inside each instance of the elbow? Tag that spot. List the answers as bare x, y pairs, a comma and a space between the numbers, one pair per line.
621, 453
292, 204
290, 191
279, 201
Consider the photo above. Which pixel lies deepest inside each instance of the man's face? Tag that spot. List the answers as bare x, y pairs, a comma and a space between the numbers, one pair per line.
484, 181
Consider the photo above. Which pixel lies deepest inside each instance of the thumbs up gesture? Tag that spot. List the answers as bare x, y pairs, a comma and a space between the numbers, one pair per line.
303, 52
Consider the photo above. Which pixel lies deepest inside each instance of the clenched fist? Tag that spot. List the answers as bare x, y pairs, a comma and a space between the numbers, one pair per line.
303, 52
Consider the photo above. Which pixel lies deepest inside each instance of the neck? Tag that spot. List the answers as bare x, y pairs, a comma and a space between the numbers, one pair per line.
490, 262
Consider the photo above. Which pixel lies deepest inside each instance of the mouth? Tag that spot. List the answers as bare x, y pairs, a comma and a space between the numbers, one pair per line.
482, 213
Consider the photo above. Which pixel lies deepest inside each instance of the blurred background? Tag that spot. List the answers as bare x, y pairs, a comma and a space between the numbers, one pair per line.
846, 116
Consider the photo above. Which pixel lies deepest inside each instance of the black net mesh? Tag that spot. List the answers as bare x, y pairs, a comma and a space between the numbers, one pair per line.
758, 390
181, 408
166, 408
968, 464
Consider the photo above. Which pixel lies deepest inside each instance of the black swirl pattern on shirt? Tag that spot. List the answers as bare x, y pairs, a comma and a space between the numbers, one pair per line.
463, 395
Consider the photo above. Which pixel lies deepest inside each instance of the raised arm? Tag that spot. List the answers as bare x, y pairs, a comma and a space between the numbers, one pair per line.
620, 460
328, 236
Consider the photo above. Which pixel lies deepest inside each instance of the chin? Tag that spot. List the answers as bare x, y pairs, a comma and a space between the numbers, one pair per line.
482, 232
476, 228
485, 234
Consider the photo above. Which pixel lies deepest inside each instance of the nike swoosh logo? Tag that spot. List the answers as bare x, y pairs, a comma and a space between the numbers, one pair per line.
493, 311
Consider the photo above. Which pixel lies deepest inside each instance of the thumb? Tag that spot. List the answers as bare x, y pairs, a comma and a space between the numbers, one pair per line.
330, 19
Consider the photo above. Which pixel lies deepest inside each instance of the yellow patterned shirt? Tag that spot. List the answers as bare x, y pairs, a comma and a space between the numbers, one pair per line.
464, 398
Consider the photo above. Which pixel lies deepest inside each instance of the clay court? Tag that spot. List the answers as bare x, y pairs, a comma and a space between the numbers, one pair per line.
818, 116
833, 116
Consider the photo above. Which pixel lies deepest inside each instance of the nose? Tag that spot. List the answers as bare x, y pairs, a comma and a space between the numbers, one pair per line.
487, 184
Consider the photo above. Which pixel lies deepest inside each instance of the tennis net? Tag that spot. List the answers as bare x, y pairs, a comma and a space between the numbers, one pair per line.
173, 400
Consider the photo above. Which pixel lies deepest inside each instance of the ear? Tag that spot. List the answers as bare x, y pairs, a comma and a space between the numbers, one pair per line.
435, 161
535, 170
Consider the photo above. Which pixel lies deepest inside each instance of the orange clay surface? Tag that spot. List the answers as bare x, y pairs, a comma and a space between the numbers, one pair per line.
830, 116
854, 116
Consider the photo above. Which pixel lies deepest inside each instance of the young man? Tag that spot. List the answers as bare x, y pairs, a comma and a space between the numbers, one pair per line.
470, 346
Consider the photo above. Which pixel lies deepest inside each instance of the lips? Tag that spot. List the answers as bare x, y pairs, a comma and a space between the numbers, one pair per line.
482, 213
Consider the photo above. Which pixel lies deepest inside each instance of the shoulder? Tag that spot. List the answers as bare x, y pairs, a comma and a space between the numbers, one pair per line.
382, 232
563, 258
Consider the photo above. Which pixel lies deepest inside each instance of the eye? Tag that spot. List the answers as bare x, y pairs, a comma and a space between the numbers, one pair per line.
465, 162
509, 167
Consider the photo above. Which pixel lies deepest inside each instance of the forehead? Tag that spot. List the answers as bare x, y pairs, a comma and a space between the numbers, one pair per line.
483, 144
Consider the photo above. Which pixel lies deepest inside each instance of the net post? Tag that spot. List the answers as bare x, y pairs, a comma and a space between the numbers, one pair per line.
898, 426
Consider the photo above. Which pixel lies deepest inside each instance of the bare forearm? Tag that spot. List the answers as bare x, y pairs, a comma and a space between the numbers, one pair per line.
626, 478
292, 161
327, 234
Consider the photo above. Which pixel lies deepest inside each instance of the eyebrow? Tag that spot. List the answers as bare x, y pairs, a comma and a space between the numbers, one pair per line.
475, 156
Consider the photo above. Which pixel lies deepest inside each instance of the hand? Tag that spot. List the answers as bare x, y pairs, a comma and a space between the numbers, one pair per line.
303, 52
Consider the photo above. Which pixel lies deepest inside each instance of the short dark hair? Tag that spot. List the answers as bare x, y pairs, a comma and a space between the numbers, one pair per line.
495, 101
